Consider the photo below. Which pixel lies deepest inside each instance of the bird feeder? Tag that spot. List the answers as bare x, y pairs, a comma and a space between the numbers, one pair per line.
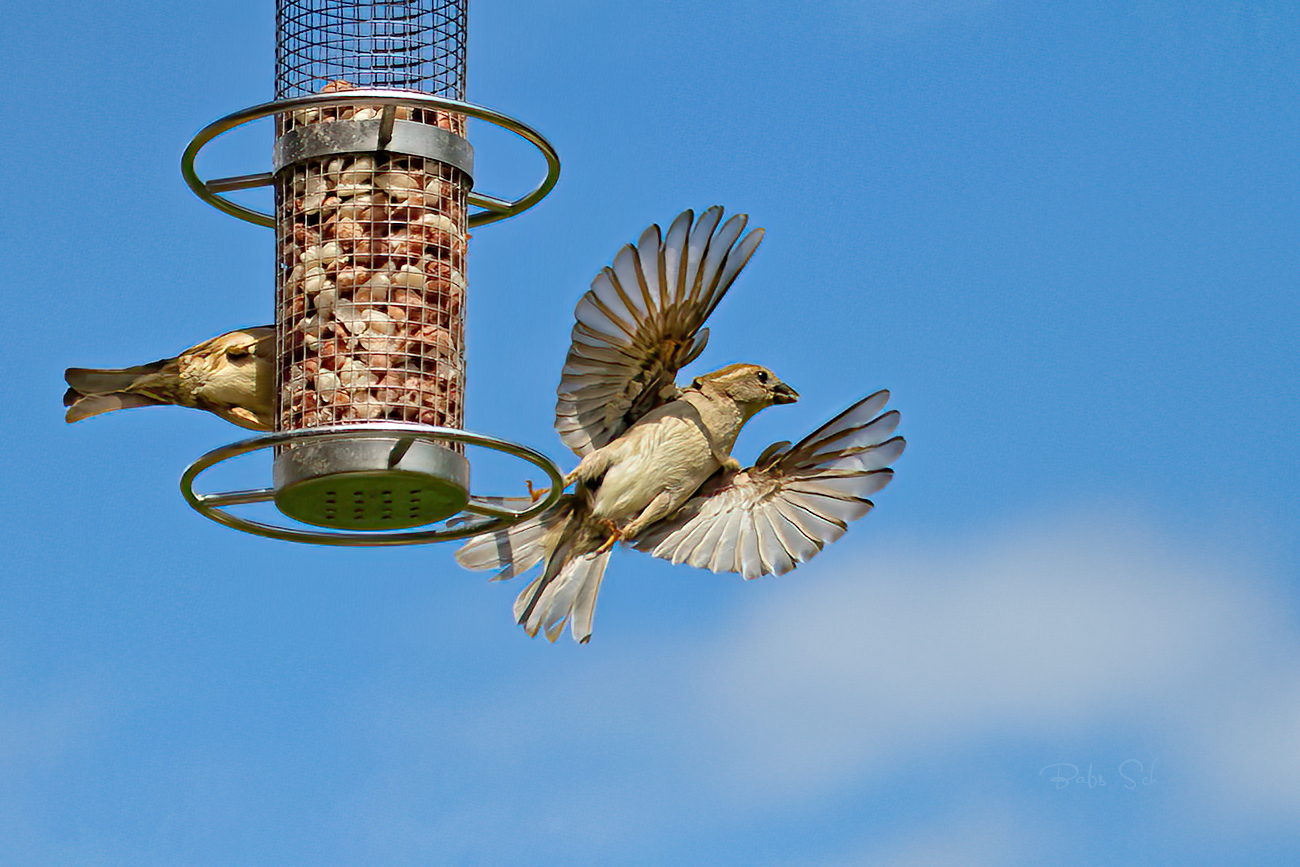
374, 198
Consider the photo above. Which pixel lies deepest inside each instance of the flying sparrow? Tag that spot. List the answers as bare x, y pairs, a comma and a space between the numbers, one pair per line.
232, 375
656, 469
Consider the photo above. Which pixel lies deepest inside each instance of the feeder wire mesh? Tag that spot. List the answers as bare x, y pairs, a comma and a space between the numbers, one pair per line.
413, 45
371, 245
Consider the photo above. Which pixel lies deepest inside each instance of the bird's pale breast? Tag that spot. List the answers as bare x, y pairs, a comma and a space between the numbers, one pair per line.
666, 452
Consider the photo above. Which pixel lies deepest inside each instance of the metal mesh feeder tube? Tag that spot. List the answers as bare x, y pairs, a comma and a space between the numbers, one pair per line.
370, 296
371, 238
371, 279
407, 44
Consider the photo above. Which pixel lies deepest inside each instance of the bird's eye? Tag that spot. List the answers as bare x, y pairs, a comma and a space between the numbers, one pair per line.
762, 376
237, 352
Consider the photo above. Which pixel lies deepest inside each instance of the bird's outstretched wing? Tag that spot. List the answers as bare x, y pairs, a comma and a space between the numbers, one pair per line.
782, 511
641, 322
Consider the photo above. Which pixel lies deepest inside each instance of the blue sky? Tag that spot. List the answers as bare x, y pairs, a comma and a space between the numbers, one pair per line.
1064, 236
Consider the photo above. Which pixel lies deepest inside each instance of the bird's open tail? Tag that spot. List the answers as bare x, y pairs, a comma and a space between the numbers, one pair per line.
570, 594
516, 549
572, 571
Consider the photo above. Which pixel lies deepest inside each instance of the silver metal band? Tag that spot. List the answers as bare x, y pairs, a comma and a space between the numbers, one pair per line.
369, 136
370, 483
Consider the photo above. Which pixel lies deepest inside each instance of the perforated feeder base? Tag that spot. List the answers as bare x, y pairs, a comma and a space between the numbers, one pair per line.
370, 484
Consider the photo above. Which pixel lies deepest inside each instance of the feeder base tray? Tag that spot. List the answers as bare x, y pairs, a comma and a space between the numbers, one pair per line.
370, 484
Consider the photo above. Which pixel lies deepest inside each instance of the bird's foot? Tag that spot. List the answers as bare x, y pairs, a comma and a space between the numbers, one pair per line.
535, 493
615, 535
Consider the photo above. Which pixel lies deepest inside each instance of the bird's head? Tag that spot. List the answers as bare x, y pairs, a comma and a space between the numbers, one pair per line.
233, 367
235, 351
244, 347
751, 386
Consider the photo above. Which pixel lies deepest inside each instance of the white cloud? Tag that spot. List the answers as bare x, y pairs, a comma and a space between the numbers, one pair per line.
1044, 632
1248, 742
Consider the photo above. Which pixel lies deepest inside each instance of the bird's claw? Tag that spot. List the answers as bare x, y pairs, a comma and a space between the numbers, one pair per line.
615, 535
535, 493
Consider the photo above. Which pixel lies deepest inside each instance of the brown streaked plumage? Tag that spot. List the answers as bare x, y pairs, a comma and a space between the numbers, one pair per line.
231, 375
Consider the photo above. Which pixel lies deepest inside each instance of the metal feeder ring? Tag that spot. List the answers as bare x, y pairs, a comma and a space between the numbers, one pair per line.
494, 208
491, 511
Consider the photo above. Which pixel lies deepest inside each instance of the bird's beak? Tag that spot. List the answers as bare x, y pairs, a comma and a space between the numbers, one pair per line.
782, 393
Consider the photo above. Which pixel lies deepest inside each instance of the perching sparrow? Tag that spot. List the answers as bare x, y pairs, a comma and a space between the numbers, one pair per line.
656, 468
232, 375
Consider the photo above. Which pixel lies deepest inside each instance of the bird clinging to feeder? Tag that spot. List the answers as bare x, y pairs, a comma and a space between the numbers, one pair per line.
231, 375
656, 468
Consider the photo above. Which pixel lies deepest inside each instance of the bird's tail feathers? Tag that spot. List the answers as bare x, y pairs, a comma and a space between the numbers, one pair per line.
84, 406
569, 595
93, 391
91, 380
516, 549
559, 546
566, 590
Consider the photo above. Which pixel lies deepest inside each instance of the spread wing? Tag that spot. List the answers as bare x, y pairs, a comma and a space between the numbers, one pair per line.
773, 516
641, 322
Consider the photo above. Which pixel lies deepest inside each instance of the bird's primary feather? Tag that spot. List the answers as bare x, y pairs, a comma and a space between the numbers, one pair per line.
641, 322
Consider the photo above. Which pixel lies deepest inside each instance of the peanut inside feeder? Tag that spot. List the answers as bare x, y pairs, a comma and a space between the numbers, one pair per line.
370, 291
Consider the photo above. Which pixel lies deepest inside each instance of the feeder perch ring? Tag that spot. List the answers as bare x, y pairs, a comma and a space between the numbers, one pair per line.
494, 208
492, 512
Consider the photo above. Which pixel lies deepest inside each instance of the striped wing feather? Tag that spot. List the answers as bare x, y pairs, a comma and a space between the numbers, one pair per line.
642, 321
771, 517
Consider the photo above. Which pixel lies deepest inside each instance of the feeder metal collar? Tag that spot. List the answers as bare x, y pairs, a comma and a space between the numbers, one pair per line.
368, 136
494, 208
